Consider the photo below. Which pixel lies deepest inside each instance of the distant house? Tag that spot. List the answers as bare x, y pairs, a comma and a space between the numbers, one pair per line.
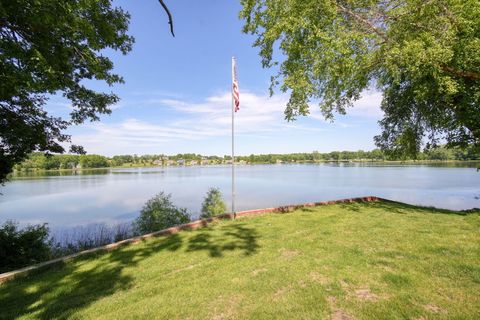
181, 162
279, 161
193, 163
157, 162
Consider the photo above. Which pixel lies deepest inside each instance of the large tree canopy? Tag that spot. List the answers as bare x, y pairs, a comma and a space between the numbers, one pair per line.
49, 47
424, 55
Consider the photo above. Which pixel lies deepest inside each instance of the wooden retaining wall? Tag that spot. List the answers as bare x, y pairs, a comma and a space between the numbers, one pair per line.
4, 277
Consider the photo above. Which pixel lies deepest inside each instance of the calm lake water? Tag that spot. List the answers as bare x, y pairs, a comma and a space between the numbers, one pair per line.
117, 195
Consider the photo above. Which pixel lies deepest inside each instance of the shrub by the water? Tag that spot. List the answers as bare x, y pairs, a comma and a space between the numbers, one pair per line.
23, 247
20, 247
159, 213
213, 204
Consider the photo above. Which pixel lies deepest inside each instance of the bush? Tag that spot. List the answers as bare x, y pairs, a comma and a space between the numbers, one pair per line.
160, 213
213, 204
23, 247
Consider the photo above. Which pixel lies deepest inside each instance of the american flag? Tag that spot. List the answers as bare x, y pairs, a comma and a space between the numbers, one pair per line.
235, 92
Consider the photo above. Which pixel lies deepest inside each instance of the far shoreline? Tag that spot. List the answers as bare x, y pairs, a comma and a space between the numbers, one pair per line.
465, 163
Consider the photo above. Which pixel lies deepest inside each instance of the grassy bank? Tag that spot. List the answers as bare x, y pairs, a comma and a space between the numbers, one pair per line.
356, 261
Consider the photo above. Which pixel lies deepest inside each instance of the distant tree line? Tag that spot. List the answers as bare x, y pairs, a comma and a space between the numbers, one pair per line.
40, 161
437, 154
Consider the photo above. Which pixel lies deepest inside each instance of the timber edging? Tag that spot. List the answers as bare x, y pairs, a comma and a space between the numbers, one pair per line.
7, 276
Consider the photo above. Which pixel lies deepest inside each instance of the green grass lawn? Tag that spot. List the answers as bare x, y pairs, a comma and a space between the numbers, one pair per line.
352, 261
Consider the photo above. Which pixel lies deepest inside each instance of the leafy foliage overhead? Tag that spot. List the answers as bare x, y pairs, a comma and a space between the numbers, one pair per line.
49, 47
423, 55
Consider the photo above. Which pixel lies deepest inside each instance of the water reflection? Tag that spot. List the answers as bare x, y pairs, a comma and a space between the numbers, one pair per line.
117, 195
41, 174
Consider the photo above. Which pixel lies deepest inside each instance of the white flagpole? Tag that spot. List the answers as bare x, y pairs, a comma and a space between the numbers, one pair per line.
233, 143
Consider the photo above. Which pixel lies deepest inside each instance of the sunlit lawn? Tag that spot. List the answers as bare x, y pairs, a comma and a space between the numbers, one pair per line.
357, 261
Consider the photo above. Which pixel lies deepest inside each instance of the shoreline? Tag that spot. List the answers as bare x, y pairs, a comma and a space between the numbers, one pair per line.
192, 225
202, 223
473, 163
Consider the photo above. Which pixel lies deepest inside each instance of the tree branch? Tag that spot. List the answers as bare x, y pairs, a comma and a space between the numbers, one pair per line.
459, 73
363, 21
170, 19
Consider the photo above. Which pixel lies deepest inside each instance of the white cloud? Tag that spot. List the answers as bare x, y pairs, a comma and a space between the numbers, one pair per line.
256, 111
194, 121
368, 105
259, 115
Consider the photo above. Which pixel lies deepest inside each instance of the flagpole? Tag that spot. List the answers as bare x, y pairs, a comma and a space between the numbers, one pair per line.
233, 143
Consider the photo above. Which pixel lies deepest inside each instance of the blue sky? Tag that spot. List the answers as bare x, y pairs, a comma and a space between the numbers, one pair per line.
176, 96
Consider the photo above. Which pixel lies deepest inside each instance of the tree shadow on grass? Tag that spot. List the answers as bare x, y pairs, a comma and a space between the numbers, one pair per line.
231, 237
401, 208
59, 293
355, 207
308, 209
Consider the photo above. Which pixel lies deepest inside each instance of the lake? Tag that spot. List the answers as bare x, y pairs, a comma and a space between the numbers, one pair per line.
116, 195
